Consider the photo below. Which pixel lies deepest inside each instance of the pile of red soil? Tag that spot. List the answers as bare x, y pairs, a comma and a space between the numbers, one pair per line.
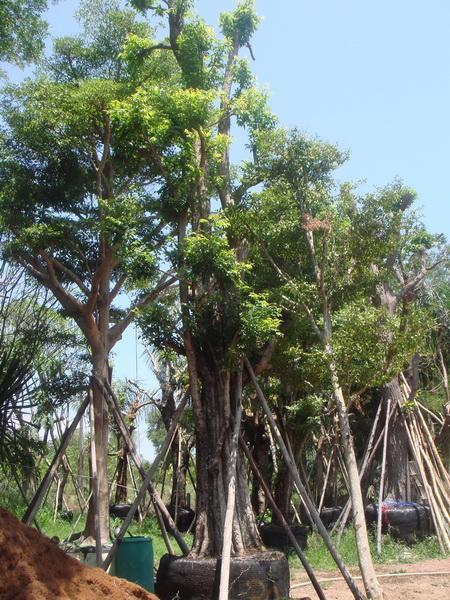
32, 567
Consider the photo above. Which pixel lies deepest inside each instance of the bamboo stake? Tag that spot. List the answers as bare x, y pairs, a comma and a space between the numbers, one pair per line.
231, 497
442, 513
325, 483
95, 489
433, 415
439, 494
424, 480
367, 460
435, 475
114, 406
163, 528
147, 479
282, 520
416, 453
297, 516
342, 468
442, 470
38, 497
383, 470
358, 595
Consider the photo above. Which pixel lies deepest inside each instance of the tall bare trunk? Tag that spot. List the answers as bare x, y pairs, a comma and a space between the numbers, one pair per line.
213, 450
397, 445
371, 584
100, 412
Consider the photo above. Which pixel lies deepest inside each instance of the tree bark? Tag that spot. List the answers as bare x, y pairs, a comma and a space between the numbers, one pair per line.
218, 404
256, 436
397, 445
282, 493
100, 415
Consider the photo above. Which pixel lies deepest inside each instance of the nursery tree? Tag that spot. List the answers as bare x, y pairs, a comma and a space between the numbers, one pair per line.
76, 208
324, 248
186, 136
402, 255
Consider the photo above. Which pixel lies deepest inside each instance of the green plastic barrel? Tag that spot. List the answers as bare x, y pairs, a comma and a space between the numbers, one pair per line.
134, 561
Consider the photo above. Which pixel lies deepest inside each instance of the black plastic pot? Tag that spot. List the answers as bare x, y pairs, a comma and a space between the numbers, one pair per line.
405, 520
329, 515
121, 510
264, 576
275, 536
185, 518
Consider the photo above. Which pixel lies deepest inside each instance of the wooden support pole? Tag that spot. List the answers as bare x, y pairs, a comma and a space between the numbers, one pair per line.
282, 520
417, 457
325, 483
440, 465
383, 471
95, 488
163, 528
372, 447
229, 513
357, 594
38, 497
147, 480
114, 406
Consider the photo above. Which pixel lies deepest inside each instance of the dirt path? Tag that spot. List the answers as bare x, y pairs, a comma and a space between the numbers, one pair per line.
407, 587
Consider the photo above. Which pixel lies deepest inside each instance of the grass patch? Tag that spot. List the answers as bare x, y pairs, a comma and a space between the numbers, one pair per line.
393, 551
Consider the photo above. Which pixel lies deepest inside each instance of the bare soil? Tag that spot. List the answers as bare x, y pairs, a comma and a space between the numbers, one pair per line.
408, 586
32, 567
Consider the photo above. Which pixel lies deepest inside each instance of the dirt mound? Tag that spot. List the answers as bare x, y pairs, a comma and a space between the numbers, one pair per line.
32, 567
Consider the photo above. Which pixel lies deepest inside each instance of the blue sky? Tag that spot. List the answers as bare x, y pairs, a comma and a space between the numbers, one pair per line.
372, 77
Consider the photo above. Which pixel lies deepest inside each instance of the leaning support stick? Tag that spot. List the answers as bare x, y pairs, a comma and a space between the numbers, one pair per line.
148, 477
282, 520
38, 497
228, 522
95, 487
383, 470
114, 406
358, 595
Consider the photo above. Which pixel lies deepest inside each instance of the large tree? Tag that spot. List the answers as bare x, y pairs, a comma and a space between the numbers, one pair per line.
186, 134
401, 254
76, 207
323, 268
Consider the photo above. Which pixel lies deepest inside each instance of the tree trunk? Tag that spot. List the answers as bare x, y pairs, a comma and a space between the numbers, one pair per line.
282, 493
80, 461
61, 489
217, 399
397, 445
371, 584
100, 412
256, 436
180, 463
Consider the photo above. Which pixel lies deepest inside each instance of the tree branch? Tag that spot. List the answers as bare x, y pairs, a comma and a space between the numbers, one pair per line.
115, 332
72, 276
67, 300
